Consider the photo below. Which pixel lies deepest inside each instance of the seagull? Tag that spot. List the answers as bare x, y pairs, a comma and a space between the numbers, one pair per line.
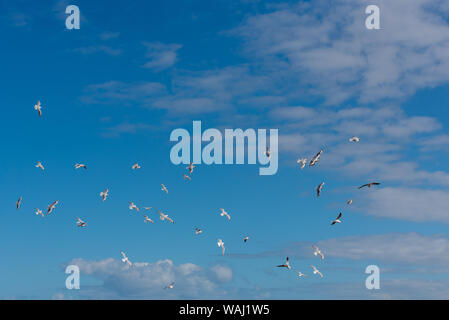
133, 206
81, 223
370, 184
302, 161
18, 203
319, 188
190, 168
224, 213
39, 165
104, 195
315, 159
246, 239
316, 271
125, 259
163, 217
38, 108
186, 177
39, 212
220, 243
349, 202
80, 165
135, 166
164, 189
170, 286
286, 265
268, 153
198, 231
317, 252
354, 139
147, 208
300, 274
51, 207
147, 219
337, 220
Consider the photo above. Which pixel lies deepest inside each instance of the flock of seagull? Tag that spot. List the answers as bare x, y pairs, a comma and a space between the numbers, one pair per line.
164, 217
317, 252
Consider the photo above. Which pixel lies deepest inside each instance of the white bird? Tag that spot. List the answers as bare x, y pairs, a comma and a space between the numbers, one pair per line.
39, 165
198, 231
133, 206
220, 243
186, 177
224, 213
316, 271
286, 265
164, 189
300, 274
319, 188
190, 168
135, 166
170, 286
246, 239
317, 252
354, 139
163, 217
302, 161
268, 153
316, 158
81, 223
51, 207
125, 259
18, 203
147, 208
147, 219
337, 220
38, 212
104, 195
80, 165
349, 202
38, 108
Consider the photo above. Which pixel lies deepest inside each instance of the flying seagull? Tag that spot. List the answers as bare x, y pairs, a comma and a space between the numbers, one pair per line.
81, 223
246, 239
147, 219
190, 168
268, 153
286, 265
18, 203
104, 195
147, 208
349, 202
186, 177
315, 159
80, 165
300, 274
38, 108
132, 206
51, 207
370, 184
170, 286
302, 161
220, 243
337, 220
316, 271
198, 231
163, 217
125, 259
319, 188
163, 188
354, 139
38, 212
317, 252
39, 165
135, 166
224, 213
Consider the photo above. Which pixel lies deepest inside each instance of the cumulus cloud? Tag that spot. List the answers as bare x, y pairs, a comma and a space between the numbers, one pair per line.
147, 280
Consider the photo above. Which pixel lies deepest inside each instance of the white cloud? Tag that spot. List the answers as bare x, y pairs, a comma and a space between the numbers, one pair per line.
161, 56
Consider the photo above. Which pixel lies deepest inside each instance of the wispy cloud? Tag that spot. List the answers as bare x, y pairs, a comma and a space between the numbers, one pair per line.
161, 56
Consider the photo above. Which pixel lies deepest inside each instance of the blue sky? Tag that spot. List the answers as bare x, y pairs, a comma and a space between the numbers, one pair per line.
113, 91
